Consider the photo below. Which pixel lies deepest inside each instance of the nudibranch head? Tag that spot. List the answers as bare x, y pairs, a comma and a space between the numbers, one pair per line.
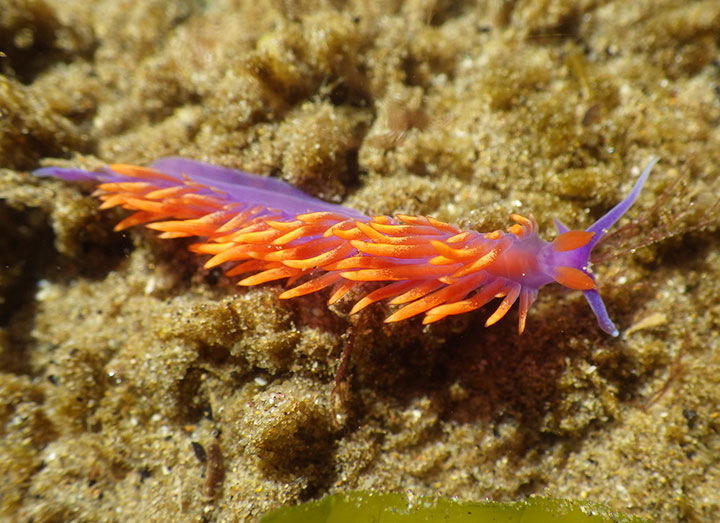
567, 258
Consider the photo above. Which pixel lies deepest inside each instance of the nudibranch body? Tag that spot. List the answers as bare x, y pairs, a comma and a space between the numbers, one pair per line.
253, 224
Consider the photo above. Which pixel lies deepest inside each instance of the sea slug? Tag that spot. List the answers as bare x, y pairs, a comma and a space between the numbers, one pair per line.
253, 224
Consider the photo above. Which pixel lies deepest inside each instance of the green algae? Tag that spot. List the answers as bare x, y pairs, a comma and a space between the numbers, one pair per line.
362, 507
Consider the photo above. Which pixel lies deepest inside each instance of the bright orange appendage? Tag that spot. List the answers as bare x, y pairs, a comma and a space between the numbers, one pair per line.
135, 171
573, 278
526, 300
484, 295
571, 240
504, 306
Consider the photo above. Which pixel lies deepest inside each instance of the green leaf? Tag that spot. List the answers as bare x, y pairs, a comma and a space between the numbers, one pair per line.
368, 507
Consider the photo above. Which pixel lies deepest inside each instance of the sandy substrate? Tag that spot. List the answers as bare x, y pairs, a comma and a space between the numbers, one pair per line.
136, 386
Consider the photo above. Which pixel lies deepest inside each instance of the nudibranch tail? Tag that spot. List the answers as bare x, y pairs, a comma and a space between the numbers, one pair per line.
266, 230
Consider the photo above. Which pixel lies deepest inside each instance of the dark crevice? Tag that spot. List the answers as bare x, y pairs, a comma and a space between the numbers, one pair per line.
25, 246
33, 39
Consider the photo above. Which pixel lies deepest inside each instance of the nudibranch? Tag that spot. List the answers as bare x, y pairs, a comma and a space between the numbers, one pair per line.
263, 226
